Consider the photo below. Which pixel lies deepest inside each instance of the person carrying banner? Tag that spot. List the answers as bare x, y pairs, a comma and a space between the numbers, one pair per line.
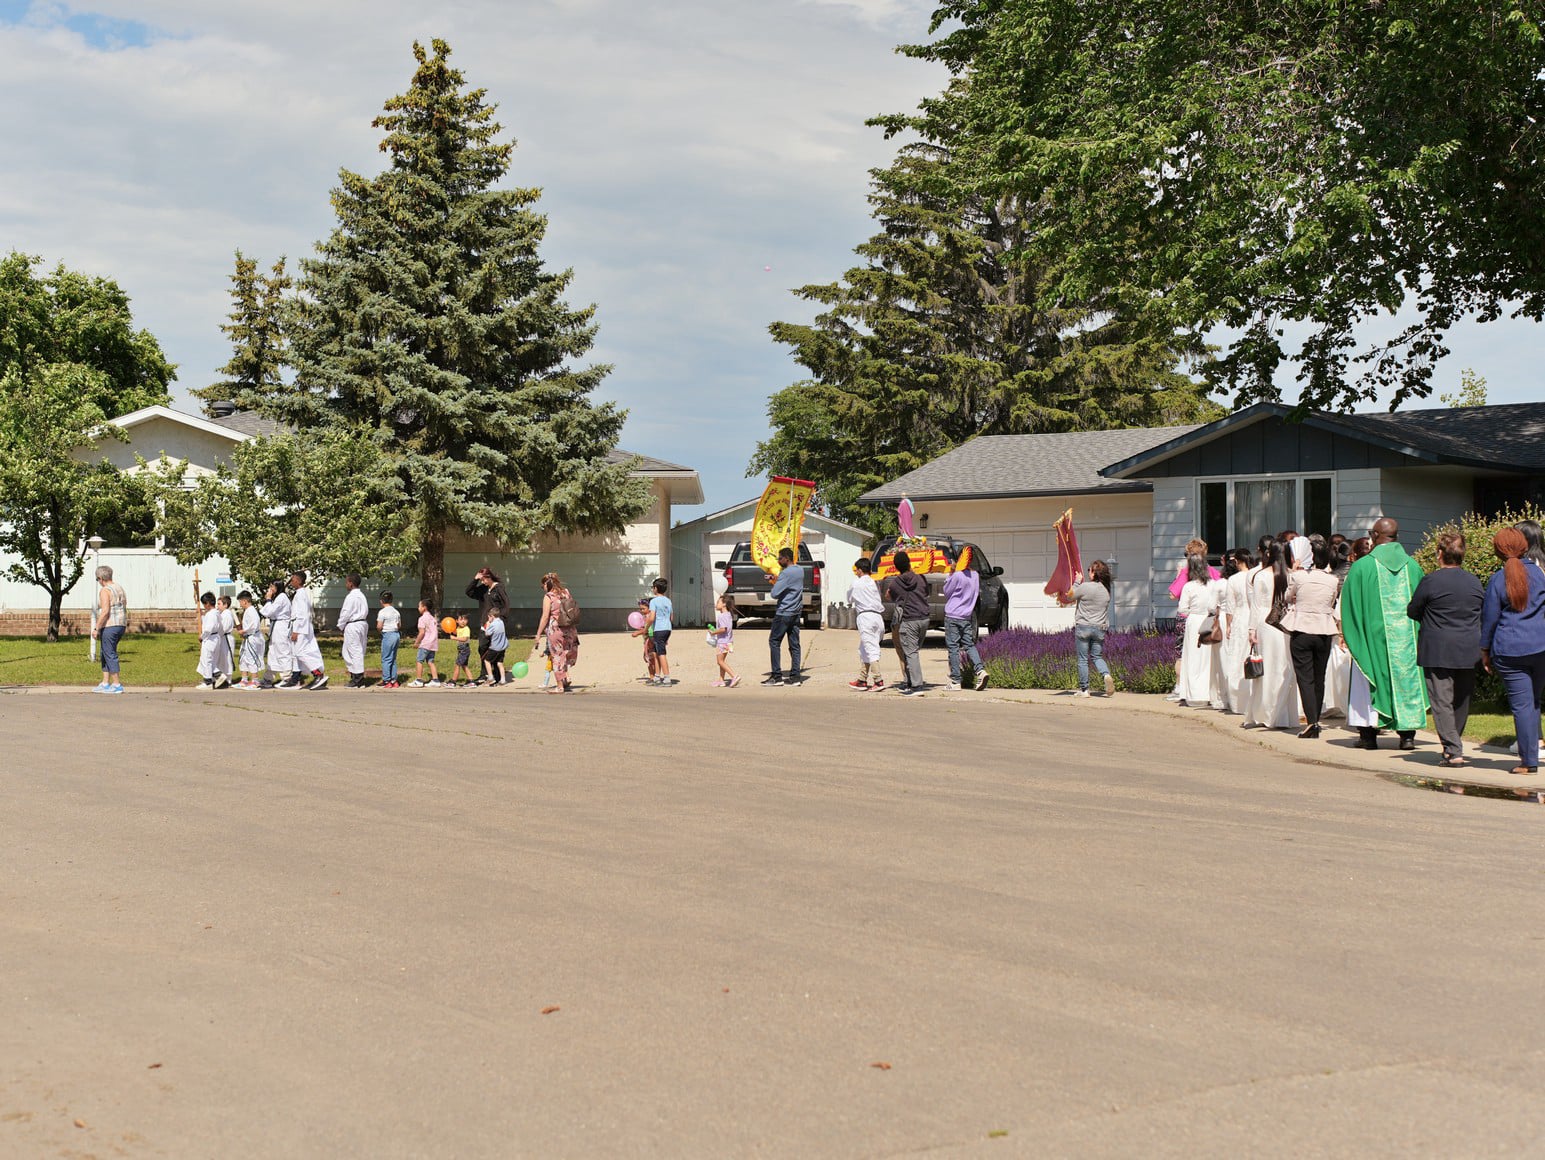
788, 594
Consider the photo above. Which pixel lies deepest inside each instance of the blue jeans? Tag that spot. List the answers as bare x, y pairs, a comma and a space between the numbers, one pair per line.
389, 642
960, 637
1089, 640
110, 638
784, 626
1524, 678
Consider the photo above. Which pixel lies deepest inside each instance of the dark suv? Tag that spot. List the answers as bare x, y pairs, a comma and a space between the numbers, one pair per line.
750, 586
992, 604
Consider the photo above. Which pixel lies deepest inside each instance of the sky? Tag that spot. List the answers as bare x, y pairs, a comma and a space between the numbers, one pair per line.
698, 160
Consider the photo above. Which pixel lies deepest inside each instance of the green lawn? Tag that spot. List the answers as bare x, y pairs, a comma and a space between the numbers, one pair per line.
171, 658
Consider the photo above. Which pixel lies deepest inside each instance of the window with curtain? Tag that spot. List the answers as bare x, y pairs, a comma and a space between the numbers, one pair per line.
1236, 513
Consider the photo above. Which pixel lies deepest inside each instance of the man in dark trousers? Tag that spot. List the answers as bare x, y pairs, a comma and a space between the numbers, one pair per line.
788, 593
1447, 606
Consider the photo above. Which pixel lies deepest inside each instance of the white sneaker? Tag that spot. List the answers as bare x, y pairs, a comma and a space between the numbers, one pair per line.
1174, 697
436, 683
953, 686
1081, 693
415, 684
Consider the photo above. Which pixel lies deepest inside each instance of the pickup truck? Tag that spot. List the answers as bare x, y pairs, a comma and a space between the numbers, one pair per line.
749, 585
992, 605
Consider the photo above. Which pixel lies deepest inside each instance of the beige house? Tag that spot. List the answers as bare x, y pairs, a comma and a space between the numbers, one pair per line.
606, 573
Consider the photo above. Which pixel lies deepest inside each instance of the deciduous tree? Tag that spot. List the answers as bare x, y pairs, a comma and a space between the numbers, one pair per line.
70, 360
1249, 166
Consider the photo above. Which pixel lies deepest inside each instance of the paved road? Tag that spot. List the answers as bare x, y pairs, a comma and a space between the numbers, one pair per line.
298, 927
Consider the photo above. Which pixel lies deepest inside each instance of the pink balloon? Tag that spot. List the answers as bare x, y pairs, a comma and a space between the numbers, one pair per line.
635, 620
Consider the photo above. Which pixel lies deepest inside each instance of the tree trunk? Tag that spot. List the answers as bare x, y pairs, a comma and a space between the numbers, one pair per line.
431, 568
55, 604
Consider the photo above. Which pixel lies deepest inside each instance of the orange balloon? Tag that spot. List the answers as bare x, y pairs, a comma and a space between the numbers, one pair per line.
448, 625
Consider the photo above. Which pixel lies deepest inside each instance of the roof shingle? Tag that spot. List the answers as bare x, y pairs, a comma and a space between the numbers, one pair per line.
1005, 466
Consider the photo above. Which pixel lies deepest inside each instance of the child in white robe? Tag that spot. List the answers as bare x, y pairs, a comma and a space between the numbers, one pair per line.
277, 611
214, 654
869, 619
306, 654
252, 642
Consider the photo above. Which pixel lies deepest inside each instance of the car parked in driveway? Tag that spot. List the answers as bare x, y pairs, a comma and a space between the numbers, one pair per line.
745, 580
992, 604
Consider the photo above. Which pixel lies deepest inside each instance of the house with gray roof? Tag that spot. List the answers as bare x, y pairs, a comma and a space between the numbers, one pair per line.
1138, 495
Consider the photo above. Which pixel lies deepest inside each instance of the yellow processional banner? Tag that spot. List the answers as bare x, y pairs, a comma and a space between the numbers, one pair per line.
780, 516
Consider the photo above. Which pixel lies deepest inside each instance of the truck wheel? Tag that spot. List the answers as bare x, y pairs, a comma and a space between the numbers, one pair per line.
1001, 621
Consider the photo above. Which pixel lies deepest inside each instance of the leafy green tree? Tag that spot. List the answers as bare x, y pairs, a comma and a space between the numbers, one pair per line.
254, 374
70, 360
275, 507
944, 333
1471, 392
428, 324
1248, 166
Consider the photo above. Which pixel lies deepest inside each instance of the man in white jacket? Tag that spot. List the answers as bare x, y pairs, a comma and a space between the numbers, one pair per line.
303, 640
354, 623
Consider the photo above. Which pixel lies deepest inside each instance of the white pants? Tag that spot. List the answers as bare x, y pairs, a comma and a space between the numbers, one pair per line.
306, 653
354, 636
279, 650
214, 656
252, 653
870, 627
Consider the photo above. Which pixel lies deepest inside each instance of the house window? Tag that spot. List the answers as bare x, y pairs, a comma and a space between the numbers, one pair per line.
1236, 513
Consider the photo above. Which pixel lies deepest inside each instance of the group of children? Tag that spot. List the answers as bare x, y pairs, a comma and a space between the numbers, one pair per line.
656, 612
282, 657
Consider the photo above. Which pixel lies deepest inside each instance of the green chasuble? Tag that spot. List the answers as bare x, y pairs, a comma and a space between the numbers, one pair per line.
1382, 638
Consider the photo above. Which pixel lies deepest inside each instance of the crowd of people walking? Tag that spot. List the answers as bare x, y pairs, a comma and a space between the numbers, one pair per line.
1290, 632
1303, 627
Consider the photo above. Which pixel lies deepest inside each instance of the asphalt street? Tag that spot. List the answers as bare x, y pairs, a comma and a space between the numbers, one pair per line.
635, 924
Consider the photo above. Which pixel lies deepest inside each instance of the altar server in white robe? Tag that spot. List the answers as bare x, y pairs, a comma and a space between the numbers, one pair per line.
214, 654
306, 653
276, 609
354, 623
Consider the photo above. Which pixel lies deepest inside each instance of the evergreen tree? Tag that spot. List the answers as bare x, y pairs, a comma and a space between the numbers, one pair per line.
256, 330
428, 323
944, 334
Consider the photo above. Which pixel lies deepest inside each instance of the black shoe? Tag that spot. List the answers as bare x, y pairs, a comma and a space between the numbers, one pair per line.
912, 691
317, 682
1310, 732
1408, 743
775, 679
793, 681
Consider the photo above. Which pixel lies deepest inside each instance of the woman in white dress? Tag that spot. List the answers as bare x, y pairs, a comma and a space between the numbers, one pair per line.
1274, 701
1236, 629
1199, 606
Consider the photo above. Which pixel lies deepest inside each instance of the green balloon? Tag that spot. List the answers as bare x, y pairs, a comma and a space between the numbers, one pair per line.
519, 670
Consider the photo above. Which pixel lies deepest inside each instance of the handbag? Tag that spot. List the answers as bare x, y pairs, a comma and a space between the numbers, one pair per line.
1254, 667
1279, 607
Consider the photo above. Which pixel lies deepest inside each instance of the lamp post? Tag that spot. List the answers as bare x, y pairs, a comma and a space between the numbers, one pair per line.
95, 543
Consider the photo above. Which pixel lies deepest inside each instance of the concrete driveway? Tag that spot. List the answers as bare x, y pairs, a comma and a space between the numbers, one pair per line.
634, 924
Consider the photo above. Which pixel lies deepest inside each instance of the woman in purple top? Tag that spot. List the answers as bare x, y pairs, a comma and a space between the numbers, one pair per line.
961, 590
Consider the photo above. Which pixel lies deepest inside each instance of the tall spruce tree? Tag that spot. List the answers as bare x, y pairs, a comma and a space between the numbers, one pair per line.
943, 334
256, 330
428, 322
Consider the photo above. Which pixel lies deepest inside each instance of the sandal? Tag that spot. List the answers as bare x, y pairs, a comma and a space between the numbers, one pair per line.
1453, 763
1524, 771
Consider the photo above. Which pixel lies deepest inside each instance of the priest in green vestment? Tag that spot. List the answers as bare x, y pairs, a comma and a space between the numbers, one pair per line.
1381, 637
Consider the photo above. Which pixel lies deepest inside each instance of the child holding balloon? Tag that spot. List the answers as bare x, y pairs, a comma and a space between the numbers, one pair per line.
636, 623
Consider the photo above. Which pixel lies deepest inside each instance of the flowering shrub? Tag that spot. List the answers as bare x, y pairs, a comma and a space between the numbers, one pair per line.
1140, 659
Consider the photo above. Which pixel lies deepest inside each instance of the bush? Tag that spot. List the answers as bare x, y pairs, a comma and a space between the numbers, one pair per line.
1481, 559
1140, 660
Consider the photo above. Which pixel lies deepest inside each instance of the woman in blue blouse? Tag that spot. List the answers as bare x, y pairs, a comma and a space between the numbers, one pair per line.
1513, 639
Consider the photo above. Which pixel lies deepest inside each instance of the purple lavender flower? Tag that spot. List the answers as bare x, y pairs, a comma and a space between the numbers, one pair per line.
1141, 660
